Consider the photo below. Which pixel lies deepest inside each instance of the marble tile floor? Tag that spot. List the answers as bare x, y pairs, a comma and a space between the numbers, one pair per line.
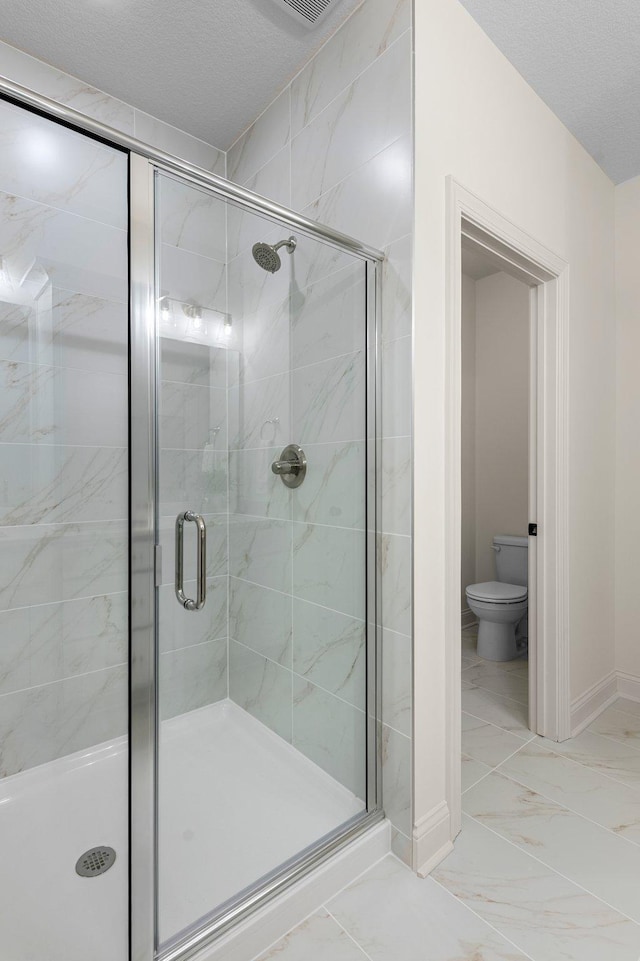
546, 868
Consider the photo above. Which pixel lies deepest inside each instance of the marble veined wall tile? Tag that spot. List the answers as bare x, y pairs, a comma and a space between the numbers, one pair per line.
76, 253
29, 722
329, 650
331, 733
47, 484
543, 913
254, 488
81, 175
61, 561
395, 563
396, 289
396, 778
61, 405
89, 332
273, 180
94, 632
47, 642
333, 491
42, 723
329, 400
362, 39
261, 141
266, 337
195, 478
190, 363
351, 158
260, 551
329, 567
259, 413
175, 141
396, 681
189, 278
180, 628
395, 479
18, 330
192, 677
95, 708
52, 83
260, 619
192, 219
375, 202
328, 319
396, 387
372, 113
188, 415
261, 687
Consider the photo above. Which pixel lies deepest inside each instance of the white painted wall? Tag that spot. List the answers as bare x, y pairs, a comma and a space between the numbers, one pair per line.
627, 249
501, 415
478, 120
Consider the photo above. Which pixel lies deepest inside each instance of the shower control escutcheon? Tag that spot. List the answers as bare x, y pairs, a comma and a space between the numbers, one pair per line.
291, 466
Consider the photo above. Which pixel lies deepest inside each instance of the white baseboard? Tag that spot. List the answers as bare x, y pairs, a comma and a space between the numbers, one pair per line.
468, 618
593, 702
432, 839
270, 923
628, 686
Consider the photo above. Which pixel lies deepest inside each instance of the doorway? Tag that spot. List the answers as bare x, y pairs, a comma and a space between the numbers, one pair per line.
497, 472
478, 230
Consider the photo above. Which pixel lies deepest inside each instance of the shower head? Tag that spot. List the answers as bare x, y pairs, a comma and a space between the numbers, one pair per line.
267, 256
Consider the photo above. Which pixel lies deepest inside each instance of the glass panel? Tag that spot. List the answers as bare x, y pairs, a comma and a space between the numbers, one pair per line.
63, 542
262, 745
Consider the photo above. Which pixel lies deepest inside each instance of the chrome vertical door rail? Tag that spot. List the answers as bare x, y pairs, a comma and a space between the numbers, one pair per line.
142, 404
373, 501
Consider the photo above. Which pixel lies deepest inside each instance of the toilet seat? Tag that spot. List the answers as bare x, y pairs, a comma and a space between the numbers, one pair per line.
496, 592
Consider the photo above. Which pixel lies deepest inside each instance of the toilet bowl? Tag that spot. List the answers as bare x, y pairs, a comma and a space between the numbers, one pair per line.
501, 606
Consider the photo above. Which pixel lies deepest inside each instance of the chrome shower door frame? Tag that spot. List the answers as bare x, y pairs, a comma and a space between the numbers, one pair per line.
144, 717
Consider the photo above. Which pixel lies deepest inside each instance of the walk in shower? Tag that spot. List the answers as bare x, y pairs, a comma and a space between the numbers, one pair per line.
189, 682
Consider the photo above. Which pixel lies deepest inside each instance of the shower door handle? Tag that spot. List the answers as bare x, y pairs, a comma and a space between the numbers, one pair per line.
201, 571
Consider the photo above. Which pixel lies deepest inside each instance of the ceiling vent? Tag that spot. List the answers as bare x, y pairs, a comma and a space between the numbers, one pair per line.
308, 12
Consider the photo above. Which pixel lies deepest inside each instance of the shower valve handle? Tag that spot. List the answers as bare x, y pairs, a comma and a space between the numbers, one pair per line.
291, 466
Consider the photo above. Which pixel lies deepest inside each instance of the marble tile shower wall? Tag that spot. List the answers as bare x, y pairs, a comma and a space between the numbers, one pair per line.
336, 144
63, 422
297, 556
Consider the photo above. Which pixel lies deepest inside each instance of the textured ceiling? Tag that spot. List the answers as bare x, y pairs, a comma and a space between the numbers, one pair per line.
207, 66
582, 57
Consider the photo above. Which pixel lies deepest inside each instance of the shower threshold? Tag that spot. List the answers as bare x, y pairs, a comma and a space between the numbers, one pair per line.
235, 802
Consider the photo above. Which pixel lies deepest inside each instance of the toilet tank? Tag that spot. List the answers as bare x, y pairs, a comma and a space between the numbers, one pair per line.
511, 558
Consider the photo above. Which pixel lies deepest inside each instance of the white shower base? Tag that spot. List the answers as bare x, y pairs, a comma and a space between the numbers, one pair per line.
235, 802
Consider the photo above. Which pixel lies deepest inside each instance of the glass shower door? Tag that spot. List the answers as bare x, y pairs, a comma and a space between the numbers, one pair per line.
262, 519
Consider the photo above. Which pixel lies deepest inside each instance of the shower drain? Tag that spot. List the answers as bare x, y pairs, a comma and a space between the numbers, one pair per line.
95, 861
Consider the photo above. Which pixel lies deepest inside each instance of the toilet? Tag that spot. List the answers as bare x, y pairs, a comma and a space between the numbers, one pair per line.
501, 605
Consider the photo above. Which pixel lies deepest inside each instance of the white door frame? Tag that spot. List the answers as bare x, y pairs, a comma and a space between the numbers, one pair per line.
547, 275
